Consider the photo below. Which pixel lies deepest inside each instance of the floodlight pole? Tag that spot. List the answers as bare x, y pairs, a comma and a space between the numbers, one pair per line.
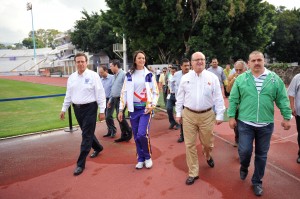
29, 7
124, 54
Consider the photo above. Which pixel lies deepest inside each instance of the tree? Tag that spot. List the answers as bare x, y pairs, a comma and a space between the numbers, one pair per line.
174, 29
92, 34
28, 43
43, 38
286, 39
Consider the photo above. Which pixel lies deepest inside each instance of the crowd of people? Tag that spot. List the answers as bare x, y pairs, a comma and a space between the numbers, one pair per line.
197, 95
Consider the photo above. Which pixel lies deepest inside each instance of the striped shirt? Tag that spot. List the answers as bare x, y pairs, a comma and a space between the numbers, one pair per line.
259, 83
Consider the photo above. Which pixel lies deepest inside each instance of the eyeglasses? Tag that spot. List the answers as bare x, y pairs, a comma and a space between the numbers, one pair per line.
197, 60
238, 70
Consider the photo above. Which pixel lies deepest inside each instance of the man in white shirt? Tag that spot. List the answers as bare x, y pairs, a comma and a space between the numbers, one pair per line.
199, 90
294, 96
86, 93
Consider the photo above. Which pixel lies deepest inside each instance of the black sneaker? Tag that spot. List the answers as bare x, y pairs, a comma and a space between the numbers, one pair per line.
243, 172
258, 190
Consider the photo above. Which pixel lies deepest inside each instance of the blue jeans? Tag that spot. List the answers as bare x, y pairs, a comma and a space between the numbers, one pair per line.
262, 137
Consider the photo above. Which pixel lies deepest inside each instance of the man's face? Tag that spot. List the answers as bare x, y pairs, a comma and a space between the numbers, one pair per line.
198, 62
239, 68
113, 68
173, 71
214, 63
185, 67
81, 64
102, 73
256, 63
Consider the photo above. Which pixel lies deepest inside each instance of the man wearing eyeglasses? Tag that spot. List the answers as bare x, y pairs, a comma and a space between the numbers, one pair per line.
199, 90
86, 93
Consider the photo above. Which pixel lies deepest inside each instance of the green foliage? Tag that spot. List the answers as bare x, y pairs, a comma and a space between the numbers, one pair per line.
93, 33
43, 38
286, 39
170, 30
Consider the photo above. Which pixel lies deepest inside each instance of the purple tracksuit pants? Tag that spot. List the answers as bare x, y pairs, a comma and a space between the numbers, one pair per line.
140, 123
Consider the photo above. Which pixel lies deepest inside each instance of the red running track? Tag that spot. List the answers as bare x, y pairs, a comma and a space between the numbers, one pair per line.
41, 166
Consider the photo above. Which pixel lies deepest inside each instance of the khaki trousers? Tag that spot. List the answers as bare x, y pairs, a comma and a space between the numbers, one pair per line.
201, 125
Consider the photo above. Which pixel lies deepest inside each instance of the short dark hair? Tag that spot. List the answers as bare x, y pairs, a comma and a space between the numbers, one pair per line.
116, 62
184, 60
80, 55
104, 68
174, 67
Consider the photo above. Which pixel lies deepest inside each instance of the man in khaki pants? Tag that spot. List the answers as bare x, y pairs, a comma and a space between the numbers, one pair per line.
199, 90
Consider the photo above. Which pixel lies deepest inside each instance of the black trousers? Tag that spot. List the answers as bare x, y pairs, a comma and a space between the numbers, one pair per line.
109, 120
126, 131
86, 116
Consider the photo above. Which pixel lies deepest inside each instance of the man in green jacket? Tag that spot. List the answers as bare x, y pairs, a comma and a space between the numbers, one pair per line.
255, 91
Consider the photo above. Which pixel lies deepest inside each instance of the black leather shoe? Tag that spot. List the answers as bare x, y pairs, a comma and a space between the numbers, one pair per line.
95, 153
298, 160
180, 139
177, 126
243, 173
258, 190
78, 171
211, 162
172, 126
191, 180
113, 135
107, 135
120, 140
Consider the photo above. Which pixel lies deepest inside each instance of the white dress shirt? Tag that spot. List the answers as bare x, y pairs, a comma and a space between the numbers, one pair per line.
200, 93
84, 89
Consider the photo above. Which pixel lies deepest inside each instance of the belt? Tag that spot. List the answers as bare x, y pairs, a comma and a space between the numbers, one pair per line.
82, 105
204, 111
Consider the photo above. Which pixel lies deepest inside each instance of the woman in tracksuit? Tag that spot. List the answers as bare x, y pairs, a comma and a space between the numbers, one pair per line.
140, 93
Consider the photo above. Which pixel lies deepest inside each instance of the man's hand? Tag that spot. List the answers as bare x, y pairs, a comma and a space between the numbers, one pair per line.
149, 110
62, 115
108, 105
232, 123
101, 116
120, 116
179, 120
286, 124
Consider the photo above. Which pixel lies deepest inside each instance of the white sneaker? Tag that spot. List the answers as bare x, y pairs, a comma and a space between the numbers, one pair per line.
148, 163
139, 165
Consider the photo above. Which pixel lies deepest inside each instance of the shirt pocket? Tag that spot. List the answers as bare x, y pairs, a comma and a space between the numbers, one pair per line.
208, 90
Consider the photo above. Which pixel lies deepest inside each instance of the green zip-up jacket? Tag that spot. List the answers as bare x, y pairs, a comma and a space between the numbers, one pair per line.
258, 107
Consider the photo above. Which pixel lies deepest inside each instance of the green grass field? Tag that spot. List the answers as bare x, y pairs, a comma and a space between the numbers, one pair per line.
27, 116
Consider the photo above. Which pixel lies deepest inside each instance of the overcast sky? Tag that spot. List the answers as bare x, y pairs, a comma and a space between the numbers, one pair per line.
15, 20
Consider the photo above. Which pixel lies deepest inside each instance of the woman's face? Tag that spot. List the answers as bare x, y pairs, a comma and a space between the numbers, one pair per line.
140, 60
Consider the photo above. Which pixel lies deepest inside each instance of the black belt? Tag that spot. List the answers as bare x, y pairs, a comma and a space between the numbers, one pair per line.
204, 111
82, 105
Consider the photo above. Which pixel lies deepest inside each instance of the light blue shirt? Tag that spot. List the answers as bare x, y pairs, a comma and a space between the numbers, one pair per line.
118, 84
107, 83
176, 80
